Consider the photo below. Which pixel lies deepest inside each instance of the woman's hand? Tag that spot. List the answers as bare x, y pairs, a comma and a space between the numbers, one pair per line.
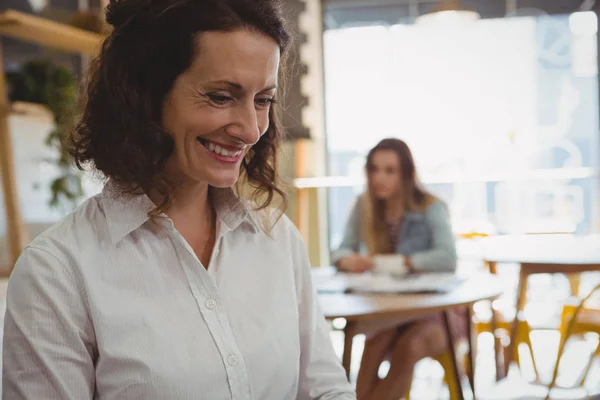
409, 265
355, 263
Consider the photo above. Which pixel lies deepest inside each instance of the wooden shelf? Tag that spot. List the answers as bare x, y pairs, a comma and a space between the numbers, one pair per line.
30, 110
48, 33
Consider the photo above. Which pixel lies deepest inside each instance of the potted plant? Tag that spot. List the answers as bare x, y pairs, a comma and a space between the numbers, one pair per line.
44, 82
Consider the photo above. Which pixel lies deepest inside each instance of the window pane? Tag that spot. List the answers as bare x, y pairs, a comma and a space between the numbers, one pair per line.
502, 116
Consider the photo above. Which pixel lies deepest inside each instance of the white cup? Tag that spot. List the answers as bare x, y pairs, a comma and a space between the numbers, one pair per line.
390, 264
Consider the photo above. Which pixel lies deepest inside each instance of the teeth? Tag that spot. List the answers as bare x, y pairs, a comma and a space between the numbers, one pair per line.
227, 153
215, 148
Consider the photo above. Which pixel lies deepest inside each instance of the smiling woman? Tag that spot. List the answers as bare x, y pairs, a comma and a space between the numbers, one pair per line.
168, 285
157, 87
222, 101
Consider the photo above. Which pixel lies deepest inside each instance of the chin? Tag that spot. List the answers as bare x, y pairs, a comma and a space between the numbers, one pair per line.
224, 180
381, 196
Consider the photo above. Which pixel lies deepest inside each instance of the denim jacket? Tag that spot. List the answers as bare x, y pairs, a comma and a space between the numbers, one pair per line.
424, 236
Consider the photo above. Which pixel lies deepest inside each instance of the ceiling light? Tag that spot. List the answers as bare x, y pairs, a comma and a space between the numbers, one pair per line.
448, 10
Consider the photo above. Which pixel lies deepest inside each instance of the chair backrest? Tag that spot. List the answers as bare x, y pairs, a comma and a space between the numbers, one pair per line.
569, 331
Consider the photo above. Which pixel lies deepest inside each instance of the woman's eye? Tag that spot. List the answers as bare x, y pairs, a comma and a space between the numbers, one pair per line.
264, 103
219, 99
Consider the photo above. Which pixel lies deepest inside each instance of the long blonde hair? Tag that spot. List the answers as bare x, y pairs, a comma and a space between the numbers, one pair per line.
414, 196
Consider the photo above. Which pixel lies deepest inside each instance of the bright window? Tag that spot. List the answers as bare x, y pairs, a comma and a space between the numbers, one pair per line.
502, 116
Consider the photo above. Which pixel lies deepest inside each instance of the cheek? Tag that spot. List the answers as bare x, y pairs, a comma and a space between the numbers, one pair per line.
391, 181
205, 122
379, 179
263, 122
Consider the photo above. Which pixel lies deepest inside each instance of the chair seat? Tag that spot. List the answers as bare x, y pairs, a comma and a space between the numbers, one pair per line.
516, 388
589, 317
587, 321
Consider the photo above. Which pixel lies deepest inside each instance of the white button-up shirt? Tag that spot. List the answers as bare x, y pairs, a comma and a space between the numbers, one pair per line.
108, 304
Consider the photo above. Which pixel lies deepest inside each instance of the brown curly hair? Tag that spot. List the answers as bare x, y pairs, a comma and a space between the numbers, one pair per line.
120, 132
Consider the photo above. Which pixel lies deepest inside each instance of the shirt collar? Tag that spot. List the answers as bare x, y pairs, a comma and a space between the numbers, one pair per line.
126, 212
233, 211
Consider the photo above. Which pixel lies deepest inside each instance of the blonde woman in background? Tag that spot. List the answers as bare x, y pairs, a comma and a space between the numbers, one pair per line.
397, 215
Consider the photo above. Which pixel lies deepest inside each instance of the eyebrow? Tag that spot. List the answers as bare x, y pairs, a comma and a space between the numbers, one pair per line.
237, 86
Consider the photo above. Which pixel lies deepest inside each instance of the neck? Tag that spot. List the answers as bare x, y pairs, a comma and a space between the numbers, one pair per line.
192, 213
394, 208
190, 206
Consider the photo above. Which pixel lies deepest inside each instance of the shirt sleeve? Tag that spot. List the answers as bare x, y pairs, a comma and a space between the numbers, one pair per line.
441, 257
351, 239
321, 374
47, 349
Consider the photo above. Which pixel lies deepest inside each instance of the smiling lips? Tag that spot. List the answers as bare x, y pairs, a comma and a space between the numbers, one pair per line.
220, 152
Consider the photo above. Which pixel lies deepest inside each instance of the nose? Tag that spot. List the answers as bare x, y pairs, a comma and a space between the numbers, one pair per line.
245, 126
378, 178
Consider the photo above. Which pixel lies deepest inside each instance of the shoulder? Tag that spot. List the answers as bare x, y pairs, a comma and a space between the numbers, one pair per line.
436, 204
64, 241
283, 233
283, 229
436, 211
358, 205
359, 201
281, 247
271, 222
49, 266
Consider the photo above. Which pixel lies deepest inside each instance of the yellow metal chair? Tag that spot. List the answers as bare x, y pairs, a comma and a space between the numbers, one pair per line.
587, 322
577, 319
503, 328
504, 325
445, 360
518, 389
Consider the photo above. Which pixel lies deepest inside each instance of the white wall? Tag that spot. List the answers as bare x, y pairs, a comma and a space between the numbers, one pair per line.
35, 171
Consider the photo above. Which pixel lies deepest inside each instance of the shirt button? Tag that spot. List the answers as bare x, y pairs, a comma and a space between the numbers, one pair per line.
210, 303
232, 360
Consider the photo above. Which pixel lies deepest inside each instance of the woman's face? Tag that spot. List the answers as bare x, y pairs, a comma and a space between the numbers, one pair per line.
385, 175
219, 107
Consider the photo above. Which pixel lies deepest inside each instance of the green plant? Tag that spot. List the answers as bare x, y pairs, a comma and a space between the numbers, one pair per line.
44, 82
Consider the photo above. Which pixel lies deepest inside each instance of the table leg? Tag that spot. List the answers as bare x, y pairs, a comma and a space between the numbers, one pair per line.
520, 305
472, 340
492, 267
452, 348
348, 341
574, 283
498, 353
